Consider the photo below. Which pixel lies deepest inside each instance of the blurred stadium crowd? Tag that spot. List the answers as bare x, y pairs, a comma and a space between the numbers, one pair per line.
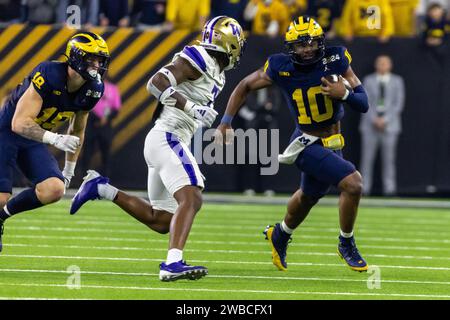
344, 18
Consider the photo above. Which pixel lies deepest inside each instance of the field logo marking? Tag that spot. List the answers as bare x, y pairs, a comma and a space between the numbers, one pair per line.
74, 280
374, 280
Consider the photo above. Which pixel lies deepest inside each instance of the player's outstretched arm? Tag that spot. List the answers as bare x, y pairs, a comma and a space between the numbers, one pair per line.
23, 123
254, 81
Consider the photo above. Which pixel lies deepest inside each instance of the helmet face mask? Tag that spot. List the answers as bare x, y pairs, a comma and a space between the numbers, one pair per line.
88, 54
305, 41
224, 34
307, 51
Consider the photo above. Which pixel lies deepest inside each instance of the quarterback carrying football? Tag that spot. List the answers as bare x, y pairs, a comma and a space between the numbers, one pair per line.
315, 147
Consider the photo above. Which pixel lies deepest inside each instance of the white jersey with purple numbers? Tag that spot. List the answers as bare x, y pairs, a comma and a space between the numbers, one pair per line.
202, 91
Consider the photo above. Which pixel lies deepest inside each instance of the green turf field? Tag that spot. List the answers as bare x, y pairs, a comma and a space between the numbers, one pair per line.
118, 258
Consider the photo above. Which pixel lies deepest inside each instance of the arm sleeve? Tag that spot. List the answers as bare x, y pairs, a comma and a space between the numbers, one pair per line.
357, 100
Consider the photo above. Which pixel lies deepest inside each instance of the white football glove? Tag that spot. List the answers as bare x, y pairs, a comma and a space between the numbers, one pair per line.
63, 142
68, 172
205, 114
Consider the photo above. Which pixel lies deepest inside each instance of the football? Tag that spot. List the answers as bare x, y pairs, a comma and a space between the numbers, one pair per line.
334, 78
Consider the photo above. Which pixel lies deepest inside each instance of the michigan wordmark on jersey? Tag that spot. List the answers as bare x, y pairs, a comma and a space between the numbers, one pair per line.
202, 91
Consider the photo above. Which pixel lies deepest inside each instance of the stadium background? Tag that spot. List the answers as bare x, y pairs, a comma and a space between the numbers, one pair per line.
423, 150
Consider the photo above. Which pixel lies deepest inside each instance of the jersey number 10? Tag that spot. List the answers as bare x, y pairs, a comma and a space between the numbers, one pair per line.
315, 99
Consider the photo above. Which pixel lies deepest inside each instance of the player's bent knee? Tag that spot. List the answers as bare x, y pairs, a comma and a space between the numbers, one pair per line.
308, 200
190, 198
352, 184
50, 190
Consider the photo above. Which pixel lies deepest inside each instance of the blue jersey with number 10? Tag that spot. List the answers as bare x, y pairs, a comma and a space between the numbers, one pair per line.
301, 87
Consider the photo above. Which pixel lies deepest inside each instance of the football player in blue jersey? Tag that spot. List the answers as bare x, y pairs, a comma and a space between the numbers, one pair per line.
317, 107
53, 93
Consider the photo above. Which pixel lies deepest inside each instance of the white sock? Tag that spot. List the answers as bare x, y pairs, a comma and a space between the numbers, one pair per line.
107, 191
285, 228
346, 235
174, 255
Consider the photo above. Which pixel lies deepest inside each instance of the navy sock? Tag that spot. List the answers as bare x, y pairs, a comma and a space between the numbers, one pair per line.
24, 201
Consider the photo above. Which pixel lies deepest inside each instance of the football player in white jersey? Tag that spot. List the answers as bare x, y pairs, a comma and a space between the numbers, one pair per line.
187, 88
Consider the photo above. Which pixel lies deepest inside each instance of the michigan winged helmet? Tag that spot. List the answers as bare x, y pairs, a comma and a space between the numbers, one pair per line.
305, 31
81, 48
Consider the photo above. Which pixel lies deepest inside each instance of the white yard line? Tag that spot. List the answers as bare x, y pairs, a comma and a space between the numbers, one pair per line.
249, 220
225, 276
250, 230
213, 261
209, 242
233, 291
257, 235
291, 253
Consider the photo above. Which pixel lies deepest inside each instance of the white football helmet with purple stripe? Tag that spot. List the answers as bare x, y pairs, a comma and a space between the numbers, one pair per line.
224, 34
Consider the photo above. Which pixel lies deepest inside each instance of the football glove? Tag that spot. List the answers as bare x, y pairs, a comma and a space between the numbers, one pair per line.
63, 142
206, 115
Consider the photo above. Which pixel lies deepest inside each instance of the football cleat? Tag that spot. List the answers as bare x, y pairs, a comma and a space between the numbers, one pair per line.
349, 253
278, 241
180, 270
88, 190
1, 233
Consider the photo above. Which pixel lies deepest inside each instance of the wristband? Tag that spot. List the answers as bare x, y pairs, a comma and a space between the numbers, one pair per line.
347, 92
226, 119
49, 137
69, 167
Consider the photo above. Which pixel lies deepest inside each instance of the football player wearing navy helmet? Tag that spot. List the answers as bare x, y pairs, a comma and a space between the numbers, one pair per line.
315, 148
53, 93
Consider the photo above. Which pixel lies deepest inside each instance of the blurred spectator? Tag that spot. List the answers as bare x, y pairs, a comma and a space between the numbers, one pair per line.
149, 13
424, 4
382, 124
182, 14
434, 30
404, 14
367, 18
269, 17
296, 8
40, 11
326, 12
10, 11
99, 132
231, 8
259, 112
114, 13
89, 11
